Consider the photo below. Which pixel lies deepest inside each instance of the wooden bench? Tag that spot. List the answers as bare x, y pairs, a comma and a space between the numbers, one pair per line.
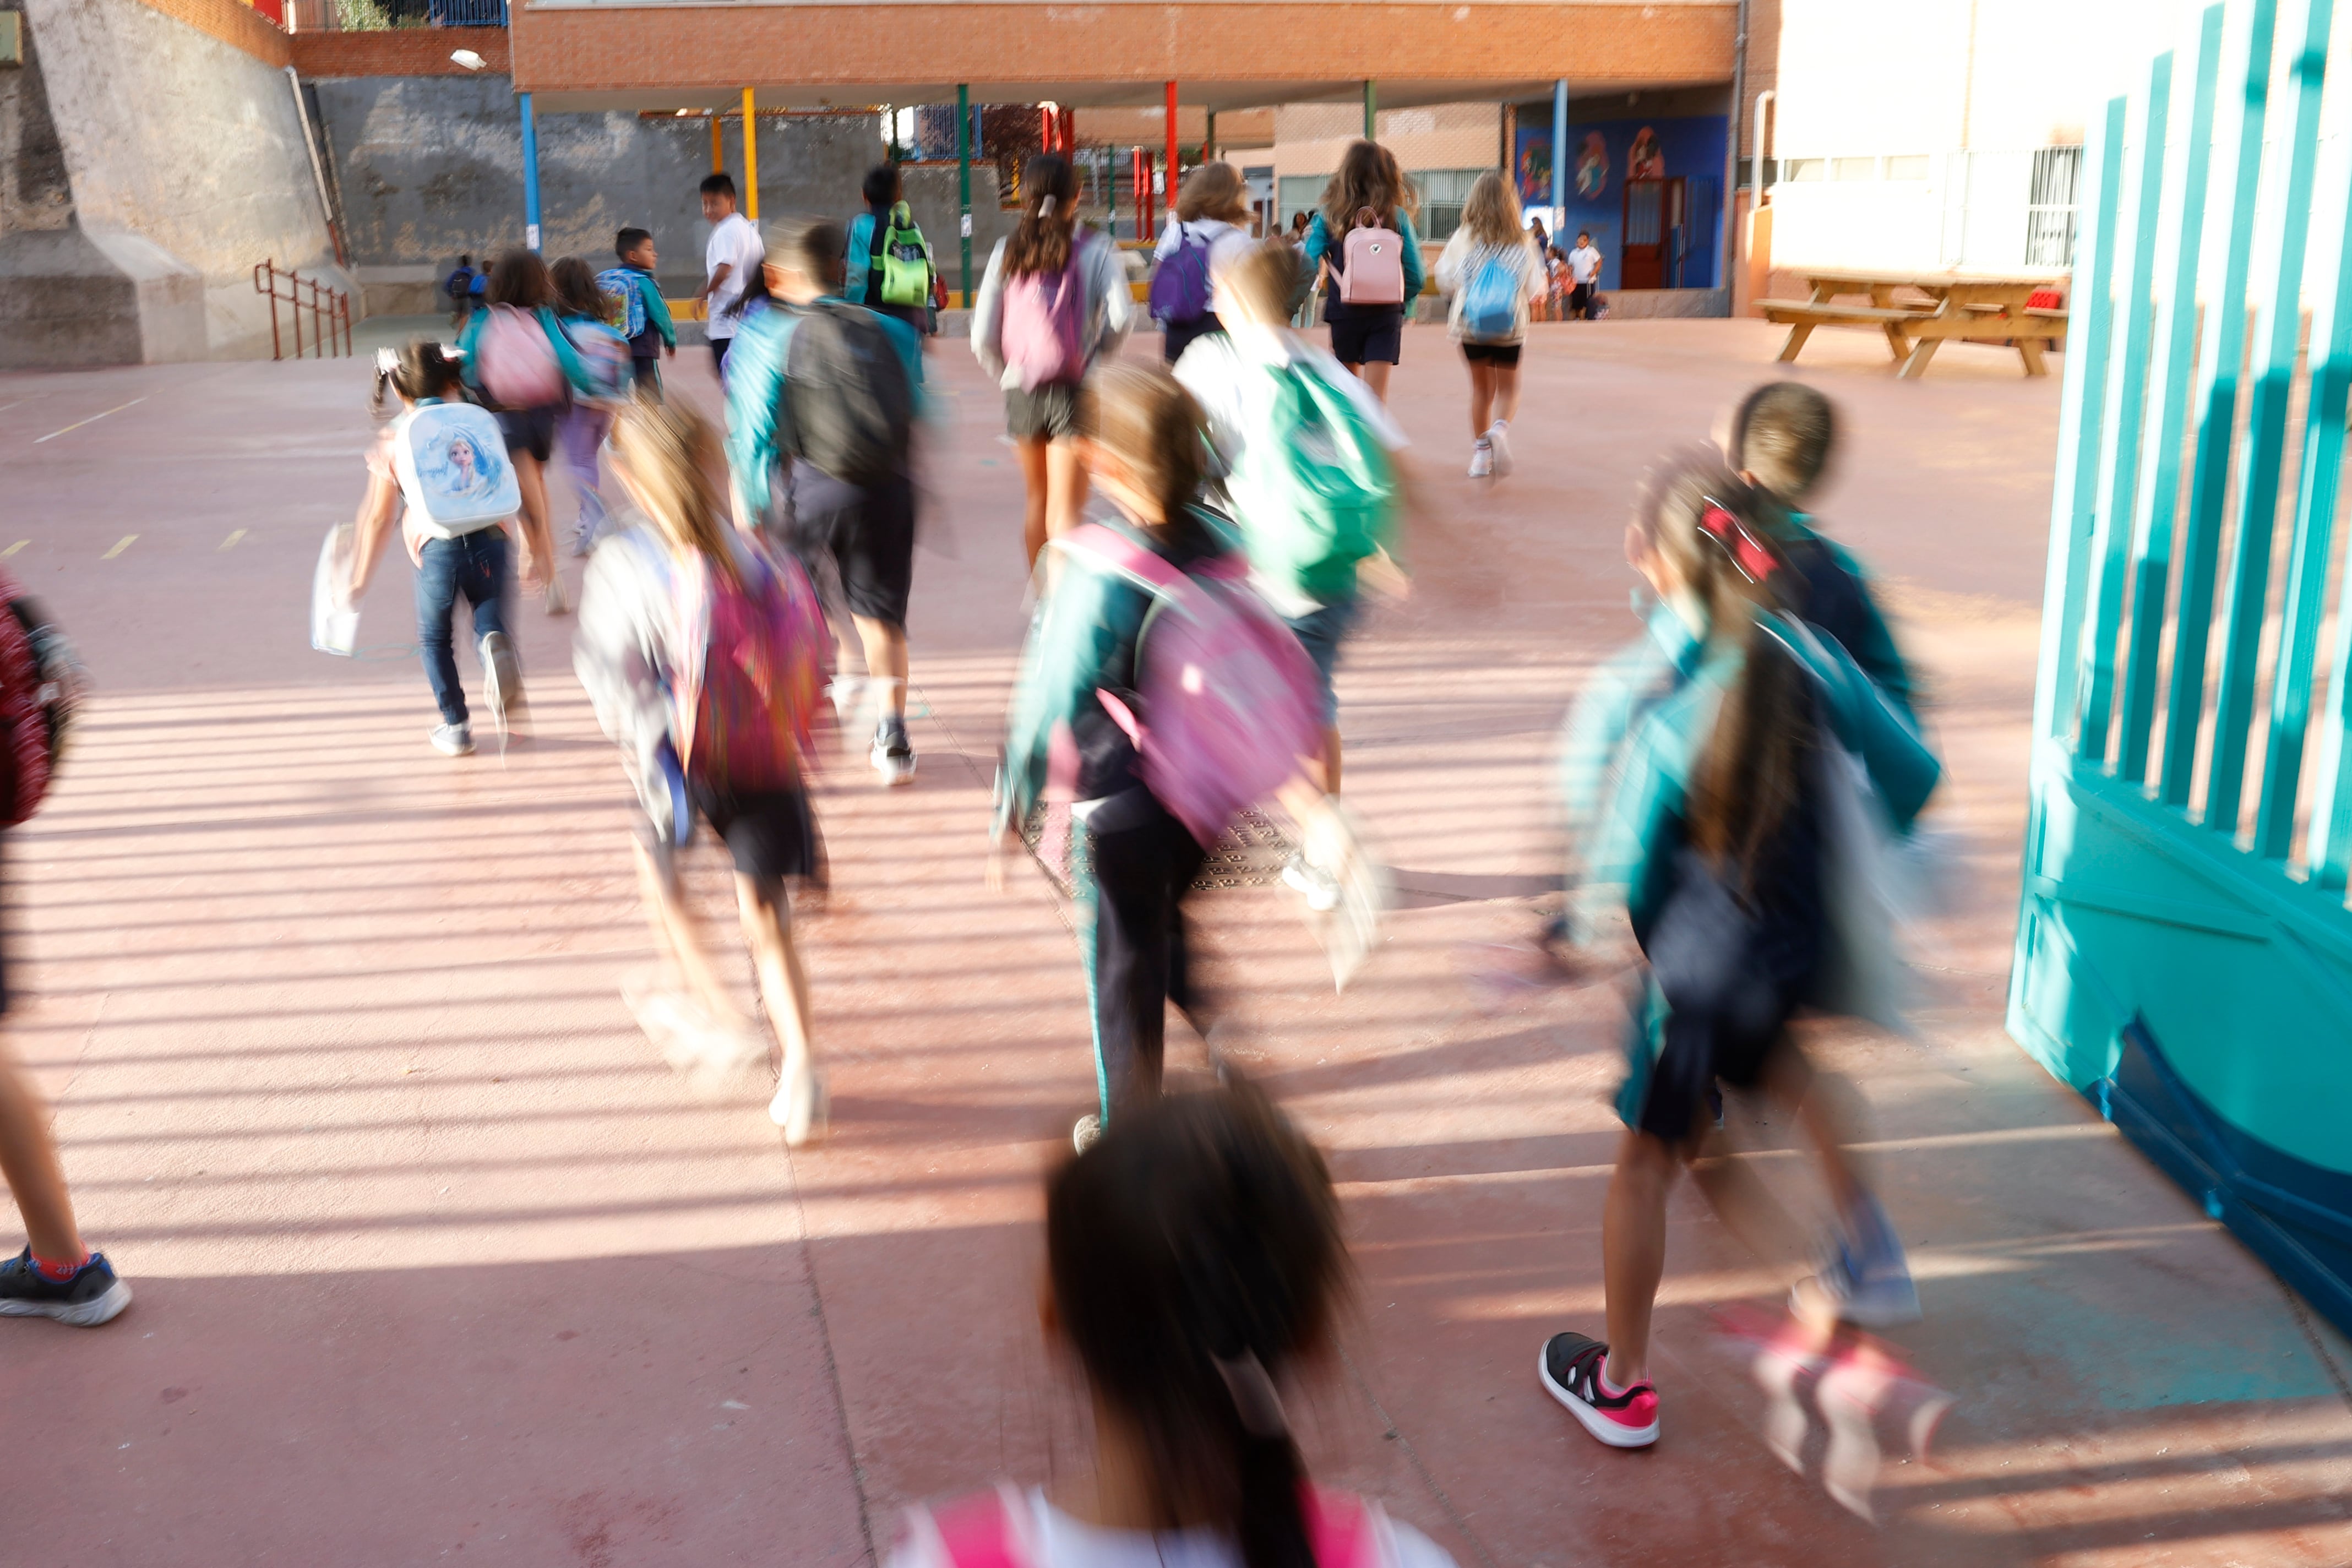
1974, 306
1802, 316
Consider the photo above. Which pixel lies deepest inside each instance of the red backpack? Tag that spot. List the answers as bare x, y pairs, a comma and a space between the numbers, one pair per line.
991, 1530
40, 686
744, 716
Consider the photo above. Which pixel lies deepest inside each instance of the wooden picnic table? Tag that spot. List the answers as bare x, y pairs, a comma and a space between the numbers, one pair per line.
1978, 306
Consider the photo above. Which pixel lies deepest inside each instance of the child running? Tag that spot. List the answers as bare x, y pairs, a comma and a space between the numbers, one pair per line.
1053, 301
643, 316
702, 654
819, 419
1369, 192
1495, 274
526, 380
1698, 776
1205, 235
1194, 1262
1311, 474
1083, 705
582, 307
441, 464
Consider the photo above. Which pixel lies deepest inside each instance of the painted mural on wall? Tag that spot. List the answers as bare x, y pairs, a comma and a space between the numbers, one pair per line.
1604, 154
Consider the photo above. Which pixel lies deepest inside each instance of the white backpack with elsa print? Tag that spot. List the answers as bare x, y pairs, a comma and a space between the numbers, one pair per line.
451, 459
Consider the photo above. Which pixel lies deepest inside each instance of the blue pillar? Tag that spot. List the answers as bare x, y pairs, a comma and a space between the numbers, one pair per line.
530, 177
1559, 156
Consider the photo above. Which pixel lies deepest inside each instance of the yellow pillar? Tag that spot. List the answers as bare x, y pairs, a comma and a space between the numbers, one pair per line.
750, 159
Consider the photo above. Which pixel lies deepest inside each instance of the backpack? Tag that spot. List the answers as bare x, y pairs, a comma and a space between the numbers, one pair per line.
991, 1530
1490, 301
624, 287
1230, 701
1044, 325
745, 716
604, 354
1374, 271
459, 283
518, 367
41, 682
1180, 286
1324, 480
452, 464
903, 260
845, 406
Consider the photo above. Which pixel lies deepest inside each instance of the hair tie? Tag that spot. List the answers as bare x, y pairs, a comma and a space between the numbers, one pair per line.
1046, 208
1254, 1399
1750, 557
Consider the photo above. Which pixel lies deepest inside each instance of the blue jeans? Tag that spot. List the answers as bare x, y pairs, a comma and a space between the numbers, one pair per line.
476, 566
1320, 632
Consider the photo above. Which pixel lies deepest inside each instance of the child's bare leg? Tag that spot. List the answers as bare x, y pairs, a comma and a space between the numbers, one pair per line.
679, 936
1506, 391
1482, 397
28, 1159
1035, 495
1633, 1250
783, 987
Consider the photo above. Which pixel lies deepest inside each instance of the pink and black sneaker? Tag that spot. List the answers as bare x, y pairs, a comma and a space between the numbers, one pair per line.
1570, 1369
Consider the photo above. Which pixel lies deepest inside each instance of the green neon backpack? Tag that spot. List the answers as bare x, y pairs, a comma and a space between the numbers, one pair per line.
1325, 483
904, 260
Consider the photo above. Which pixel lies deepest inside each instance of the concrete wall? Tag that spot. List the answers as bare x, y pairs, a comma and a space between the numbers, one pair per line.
431, 168
189, 142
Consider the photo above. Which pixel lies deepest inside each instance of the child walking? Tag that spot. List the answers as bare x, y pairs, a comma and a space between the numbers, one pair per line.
582, 307
703, 654
1194, 1263
643, 316
1698, 773
1495, 274
1369, 192
1054, 303
443, 466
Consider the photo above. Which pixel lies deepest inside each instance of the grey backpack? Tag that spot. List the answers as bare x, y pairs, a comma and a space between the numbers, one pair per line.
847, 407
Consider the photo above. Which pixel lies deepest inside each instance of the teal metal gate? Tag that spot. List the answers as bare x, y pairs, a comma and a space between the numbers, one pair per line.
2184, 952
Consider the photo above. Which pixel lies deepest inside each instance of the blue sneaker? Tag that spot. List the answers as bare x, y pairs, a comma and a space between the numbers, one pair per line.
93, 1296
1865, 1280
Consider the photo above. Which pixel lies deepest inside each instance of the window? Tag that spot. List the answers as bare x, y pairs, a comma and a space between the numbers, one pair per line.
2051, 207
1855, 168
1442, 191
1913, 167
1796, 169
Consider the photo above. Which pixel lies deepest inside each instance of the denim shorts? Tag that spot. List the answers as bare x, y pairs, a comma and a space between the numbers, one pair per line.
1320, 632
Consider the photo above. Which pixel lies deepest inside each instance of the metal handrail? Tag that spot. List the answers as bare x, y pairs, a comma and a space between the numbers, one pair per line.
331, 311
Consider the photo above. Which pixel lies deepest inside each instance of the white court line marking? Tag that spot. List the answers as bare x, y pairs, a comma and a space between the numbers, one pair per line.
92, 420
230, 542
121, 545
14, 548
18, 403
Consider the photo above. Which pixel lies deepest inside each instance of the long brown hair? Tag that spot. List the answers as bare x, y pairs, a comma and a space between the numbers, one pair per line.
1146, 418
1213, 190
1042, 243
421, 372
1368, 177
668, 453
1195, 1255
576, 289
519, 279
1714, 529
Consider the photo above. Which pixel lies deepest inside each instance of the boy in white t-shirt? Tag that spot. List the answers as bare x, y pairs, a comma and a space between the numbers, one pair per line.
734, 255
1584, 276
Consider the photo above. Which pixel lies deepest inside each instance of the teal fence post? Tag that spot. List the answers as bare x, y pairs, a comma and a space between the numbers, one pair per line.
2186, 161
2228, 235
2285, 224
530, 175
1559, 158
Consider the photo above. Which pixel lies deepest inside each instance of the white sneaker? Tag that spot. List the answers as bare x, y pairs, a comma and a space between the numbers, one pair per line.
502, 680
1498, 442
1321, 889
893, 754
1482, 459
453, 740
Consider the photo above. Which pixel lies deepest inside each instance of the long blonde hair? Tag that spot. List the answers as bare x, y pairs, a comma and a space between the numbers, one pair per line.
668, 454
1213, 190
1368, 177
1491, 214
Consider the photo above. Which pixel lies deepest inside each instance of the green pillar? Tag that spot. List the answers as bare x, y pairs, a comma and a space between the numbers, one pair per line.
963, 183
1372, 110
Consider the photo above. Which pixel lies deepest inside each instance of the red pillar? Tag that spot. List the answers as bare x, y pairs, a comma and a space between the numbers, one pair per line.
1173, 164
1046, 142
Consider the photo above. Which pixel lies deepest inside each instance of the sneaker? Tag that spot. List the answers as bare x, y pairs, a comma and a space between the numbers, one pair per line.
846, 691
1319, 887
1482, 458
1870, 1293
502, 679
93, 1296
802, 1109
1085, 1132
894, 755
453, 740
1498, 443
1570, 1369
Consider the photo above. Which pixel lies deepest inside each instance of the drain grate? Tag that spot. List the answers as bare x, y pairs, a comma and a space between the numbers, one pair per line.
1251, 854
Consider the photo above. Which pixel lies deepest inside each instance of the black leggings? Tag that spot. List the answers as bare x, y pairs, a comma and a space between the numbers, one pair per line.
1140, 862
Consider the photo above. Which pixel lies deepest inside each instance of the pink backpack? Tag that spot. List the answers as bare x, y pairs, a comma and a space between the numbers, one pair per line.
1374, 271
744, 716
1044, 330
1230, 704
518, 367
990, 1530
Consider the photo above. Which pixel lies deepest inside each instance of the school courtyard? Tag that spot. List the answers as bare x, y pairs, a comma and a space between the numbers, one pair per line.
435, 1261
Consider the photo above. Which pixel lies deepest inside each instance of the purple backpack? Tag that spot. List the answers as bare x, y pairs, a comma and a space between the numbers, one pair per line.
1044, 330
1230, 704
1180, 286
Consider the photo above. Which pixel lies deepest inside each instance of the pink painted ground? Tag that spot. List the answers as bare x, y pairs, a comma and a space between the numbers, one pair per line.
434, 1259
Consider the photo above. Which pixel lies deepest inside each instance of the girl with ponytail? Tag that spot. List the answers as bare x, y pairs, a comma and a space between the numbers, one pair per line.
1698, 775
1193, 1264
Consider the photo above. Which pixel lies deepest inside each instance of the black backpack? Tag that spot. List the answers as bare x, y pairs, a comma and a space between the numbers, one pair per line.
847, 408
